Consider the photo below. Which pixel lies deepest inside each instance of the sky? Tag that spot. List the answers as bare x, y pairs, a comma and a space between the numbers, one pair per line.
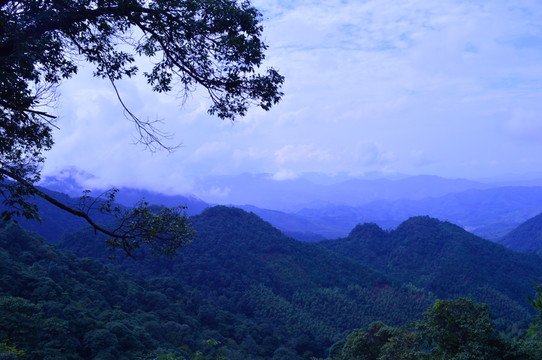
449, 88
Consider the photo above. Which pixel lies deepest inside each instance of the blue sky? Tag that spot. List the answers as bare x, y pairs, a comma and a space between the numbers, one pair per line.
449, 88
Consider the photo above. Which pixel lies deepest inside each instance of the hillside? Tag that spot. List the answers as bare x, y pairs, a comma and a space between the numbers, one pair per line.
448, 261
57, 306
245, 285
489, 213
244, 265
527, 237
56, 222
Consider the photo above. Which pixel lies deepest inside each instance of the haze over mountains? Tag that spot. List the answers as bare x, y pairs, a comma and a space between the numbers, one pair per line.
318, 206
261, 294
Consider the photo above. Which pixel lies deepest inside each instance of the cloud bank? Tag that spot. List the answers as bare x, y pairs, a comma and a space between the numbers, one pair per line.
450, 88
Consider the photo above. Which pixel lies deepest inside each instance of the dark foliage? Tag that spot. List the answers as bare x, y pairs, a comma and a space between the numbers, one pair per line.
448, 261
302, 293
527, 237
449, 330
57, 306
211, 44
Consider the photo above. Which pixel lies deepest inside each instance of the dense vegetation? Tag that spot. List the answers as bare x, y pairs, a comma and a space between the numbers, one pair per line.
527, 237
307, 294
57, 306
448, 330
449, 262
243, 290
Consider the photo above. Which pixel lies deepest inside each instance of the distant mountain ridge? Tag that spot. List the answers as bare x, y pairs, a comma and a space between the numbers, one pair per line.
125, 196
55, 222
446, 260
262, 191
527, 237
489, 213
481, 208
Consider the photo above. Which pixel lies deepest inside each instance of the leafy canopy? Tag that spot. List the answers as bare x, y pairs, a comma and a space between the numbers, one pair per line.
215, 44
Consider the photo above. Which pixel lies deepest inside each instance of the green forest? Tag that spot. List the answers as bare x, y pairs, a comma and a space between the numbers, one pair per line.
243, 290
89, 278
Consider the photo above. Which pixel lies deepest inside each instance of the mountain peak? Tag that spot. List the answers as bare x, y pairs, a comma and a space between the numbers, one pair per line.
425, 223
367, 230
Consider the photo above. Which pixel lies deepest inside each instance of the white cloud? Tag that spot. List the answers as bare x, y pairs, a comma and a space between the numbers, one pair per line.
369, 153
412, 86
215, 192
526, 124
301, 153
285, 174
209, 150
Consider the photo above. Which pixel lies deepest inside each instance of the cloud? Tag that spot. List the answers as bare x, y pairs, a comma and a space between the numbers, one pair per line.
301, 153
421, 158
369, 153
209, 150
526, 124
216, 192
410, 86
285, 174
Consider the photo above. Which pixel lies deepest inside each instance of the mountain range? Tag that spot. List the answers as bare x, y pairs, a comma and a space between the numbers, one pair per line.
243, 264
291, 297
319, 207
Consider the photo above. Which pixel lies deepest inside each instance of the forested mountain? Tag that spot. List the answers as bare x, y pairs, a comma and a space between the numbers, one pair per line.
55, 222
448, 261
244, 290
244, 265
58, 306
236, 253
489, 213
527, 237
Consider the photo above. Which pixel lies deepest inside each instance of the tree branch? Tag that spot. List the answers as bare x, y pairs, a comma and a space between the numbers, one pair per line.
63, 206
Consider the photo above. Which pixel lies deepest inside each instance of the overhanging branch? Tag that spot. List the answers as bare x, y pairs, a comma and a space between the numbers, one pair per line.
62, 206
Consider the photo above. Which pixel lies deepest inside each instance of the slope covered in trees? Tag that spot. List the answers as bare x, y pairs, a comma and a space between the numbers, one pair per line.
450, 329
527, 237
244, 290
448, 261
244, 265
55, 222
57, 306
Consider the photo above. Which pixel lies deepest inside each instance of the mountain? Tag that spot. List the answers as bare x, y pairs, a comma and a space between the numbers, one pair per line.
527, 237
298, 226
238, 254
54, 305
244, 265
129, 197
325, 207
290, 195
243, 289
56, 222
447, 261
69, 183
489, 213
